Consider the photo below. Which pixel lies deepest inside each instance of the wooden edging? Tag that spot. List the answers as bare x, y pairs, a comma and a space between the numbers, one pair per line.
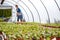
51, 26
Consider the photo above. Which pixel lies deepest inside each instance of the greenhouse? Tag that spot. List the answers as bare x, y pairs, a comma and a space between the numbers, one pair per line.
41, 19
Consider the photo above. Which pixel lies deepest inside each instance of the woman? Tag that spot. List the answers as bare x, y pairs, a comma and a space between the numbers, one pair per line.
19, 14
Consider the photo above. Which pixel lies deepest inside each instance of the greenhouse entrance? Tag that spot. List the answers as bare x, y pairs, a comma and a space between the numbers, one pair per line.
5, 13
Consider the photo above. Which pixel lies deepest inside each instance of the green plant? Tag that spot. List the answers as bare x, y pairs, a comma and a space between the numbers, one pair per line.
27, 31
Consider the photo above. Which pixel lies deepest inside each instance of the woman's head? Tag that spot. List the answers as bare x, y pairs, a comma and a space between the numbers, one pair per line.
16, 6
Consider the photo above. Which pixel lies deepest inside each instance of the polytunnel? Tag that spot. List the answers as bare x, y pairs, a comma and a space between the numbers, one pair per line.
41, 11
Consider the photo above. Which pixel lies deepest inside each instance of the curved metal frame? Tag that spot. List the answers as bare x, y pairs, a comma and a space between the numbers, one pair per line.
57, 4
46, 10
29, 10
36, 10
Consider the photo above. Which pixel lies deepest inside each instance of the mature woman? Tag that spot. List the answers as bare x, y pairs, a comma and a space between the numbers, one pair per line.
19, 14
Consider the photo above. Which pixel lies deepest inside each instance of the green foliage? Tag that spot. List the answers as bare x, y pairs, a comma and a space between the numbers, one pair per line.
1, 20
28, 30
5, 12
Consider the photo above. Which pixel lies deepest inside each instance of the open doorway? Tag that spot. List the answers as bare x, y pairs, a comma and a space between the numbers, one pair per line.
5, 13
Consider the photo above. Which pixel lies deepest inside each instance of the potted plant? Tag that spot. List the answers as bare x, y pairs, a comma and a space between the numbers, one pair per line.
19, 37
53, 34
47, 34
52, 37
42, 37
34, 38
58, 36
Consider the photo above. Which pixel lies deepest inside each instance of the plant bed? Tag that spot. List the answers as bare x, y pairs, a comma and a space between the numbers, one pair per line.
28, 30
52, 25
